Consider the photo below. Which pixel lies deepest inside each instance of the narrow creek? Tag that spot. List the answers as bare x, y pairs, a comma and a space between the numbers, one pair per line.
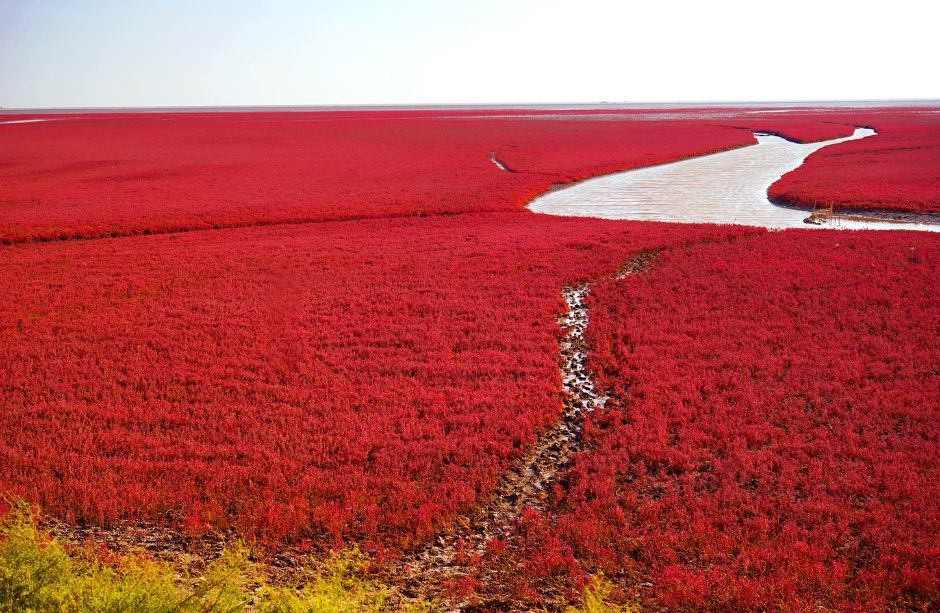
527, 484
23, 121
722, 188
498, 164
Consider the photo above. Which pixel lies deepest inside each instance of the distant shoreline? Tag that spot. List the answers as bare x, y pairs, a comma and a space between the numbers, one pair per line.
600, 106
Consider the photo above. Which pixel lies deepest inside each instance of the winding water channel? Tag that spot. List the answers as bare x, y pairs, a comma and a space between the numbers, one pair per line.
723, 188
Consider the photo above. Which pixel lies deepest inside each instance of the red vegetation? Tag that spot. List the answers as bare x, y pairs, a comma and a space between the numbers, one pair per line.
772, 437
796, 126
356, 379
898, 169
90, 176
566, 151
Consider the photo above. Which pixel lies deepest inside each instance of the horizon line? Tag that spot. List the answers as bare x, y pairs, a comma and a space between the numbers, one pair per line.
485, 105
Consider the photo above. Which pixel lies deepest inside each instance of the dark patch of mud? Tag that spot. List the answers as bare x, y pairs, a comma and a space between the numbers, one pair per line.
857, 214
156, 541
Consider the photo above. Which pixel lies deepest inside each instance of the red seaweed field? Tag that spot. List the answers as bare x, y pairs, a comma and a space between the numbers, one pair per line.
897, 171
320, 330
761, 453
363, 379
92, 176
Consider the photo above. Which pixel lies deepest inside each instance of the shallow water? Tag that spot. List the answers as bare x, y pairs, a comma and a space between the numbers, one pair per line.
499, 164
722, 188
24, 121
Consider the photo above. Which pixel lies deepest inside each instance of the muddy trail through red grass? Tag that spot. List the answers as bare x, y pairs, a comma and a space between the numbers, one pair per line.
435, 569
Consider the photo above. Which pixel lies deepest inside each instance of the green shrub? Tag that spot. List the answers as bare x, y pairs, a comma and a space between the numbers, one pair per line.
40, 574
596, 598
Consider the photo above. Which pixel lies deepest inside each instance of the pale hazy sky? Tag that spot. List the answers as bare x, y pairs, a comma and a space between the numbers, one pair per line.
56, 53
